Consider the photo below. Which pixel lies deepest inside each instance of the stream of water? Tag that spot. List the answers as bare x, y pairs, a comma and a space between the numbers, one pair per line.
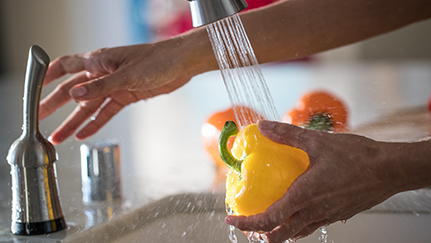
244, 83
240, 71
243, 79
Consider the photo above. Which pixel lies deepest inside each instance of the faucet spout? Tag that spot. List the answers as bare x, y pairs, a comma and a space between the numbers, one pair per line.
207, 11
35, 202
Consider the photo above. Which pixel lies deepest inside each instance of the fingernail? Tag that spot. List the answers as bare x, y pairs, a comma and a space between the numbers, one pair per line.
78, 91
266, 125
227, 220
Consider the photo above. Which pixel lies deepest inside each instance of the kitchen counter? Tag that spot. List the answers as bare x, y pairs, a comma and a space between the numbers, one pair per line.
160, 144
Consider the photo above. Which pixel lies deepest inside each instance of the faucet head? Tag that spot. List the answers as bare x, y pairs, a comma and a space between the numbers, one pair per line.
207, 11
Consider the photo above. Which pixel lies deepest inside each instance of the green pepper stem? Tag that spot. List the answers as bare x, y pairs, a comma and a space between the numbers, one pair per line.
230, 129
322, 122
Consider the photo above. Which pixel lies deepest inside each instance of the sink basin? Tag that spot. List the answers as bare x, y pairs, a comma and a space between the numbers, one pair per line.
179, 218
200, 218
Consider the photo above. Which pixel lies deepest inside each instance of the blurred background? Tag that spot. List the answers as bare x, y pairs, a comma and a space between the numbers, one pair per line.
67, 27
160, 138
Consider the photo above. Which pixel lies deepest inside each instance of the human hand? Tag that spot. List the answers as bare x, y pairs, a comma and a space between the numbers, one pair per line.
107, 80
346, 176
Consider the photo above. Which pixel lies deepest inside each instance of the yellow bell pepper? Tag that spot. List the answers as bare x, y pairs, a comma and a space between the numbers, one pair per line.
260, 170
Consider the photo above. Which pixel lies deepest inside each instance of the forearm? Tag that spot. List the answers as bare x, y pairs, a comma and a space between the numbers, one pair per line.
408, 165
298, 28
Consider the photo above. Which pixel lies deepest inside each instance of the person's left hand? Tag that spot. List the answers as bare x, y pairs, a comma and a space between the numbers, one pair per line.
106, 80
347, 174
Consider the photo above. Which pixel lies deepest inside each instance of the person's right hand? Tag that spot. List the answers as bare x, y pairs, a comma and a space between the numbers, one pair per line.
107, 80
347, 175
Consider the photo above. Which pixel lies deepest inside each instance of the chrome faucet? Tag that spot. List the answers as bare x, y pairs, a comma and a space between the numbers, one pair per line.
207, 11
35, 202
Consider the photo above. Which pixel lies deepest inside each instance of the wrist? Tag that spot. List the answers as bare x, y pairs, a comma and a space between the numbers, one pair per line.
197, 51
408, 165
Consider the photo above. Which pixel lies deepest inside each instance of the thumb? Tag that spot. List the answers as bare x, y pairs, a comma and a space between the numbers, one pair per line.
99, 87
285, 133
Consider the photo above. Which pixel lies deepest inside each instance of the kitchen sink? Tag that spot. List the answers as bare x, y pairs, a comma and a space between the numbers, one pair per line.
200, 218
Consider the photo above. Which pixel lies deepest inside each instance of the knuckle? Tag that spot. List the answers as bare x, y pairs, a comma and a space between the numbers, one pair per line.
85, 110
268, 226
98, 85
98, 62
63, 90
109, 65
45, 107
111, 112
312, 139
63, 59
96, 123
272, 221
96, 53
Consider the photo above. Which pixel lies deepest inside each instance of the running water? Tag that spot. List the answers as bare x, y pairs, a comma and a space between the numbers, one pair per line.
240, 70
324, 236
243, 79
244, 83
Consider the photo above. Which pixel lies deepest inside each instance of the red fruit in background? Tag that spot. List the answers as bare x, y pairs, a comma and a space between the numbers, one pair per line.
319, 110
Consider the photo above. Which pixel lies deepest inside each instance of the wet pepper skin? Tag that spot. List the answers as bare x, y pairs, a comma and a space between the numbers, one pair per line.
260, 170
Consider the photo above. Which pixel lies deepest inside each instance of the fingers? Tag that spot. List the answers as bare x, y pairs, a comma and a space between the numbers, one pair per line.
81, 113
292, 230
105, 111
101, 87
110, 109
298, 225
273, 216
291, 135
259, 222
97, 63
60, 96
64, 65
282, 132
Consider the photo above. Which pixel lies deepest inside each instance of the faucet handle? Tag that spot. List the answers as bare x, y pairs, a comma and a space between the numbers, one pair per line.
36, 205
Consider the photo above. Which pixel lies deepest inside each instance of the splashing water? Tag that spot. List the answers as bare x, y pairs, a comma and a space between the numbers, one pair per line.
240, 70
324, 236
253, 237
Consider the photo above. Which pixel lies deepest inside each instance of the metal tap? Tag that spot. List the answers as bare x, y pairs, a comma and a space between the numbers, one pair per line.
35, 202
207, 11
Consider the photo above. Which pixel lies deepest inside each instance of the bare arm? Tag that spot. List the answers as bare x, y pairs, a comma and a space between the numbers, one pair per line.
298, 28
107, 80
